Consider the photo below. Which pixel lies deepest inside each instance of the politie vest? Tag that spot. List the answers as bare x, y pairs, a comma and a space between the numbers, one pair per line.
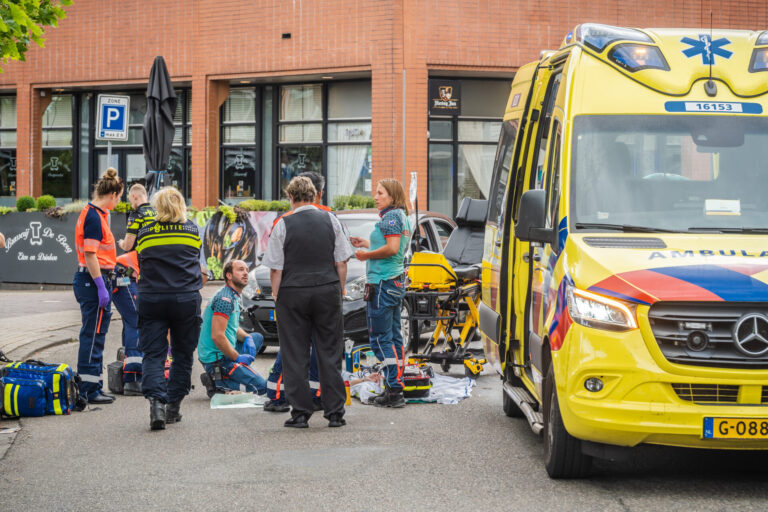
308, 249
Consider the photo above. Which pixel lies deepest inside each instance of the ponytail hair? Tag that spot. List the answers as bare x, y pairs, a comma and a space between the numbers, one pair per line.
108, 184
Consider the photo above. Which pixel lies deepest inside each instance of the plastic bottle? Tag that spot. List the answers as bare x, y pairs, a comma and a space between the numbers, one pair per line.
348, 401
370, 359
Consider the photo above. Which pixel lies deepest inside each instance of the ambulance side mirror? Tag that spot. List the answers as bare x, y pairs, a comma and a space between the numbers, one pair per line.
532, 218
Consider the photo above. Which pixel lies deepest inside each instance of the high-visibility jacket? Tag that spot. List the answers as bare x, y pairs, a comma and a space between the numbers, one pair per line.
92, 234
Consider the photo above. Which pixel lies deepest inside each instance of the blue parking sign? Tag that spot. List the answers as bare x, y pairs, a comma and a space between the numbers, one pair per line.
112, 123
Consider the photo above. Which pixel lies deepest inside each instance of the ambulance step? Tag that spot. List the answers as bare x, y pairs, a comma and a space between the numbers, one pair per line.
525, 402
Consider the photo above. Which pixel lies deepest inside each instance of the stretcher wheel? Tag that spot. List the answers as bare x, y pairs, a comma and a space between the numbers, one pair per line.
445, 366
469, 373
409, 329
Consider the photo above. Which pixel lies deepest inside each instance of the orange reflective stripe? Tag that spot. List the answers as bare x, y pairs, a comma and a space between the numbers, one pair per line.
101, 315
90, 245
279, 385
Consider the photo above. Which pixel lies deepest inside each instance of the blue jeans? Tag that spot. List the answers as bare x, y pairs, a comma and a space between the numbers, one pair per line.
92, 334
238, 376
158, 313
124, 299
383, 313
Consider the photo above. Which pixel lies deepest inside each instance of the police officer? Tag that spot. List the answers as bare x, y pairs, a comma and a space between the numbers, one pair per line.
142, 214
96, 256
307, 254
169, 298
124, 297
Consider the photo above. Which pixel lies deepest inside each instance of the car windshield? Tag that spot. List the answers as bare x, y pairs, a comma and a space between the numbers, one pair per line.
682, 173
359, 227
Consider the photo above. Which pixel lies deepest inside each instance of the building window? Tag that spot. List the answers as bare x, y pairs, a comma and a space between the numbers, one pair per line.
462, 148
300, 128
269, 134
349, 139
58, 147
240, 166
8, 149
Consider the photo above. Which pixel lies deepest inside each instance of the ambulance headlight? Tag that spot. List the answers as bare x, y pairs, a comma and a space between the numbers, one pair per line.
634, 57
598, 36
762, 39
252, 289
759, 61
592, 310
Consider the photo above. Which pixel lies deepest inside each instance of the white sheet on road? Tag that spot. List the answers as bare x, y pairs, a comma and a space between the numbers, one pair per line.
445, 389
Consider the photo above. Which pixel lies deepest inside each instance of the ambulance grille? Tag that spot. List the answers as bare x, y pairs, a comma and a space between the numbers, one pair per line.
708, 393
625, 242
674, 322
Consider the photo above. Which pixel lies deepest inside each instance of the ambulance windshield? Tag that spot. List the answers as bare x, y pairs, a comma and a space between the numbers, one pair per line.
682, 173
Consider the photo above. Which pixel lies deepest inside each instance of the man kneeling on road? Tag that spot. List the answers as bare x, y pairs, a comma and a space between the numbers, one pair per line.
225, 350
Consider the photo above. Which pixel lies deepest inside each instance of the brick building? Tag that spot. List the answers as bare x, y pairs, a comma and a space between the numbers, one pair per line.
269, 88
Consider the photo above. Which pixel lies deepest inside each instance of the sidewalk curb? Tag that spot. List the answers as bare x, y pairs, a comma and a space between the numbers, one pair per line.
30, 349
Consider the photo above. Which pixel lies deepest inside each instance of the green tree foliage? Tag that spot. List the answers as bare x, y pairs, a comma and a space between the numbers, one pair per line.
22, 22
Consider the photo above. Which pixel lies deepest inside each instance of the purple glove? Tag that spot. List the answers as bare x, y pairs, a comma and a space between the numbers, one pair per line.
245, 359
103, 293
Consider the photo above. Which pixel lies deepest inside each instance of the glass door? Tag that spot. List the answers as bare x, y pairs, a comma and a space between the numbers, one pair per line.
129, 163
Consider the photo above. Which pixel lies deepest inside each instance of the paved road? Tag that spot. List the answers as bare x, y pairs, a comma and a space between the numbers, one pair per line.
424, 457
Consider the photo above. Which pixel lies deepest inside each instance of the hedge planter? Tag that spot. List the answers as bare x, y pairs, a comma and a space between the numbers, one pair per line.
41, 249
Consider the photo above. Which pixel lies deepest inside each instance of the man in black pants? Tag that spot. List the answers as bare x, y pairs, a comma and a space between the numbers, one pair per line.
307, 253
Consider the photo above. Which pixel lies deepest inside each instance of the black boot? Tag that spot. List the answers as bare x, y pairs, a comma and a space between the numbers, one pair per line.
172, 414
132, 389
394, 399
156, 414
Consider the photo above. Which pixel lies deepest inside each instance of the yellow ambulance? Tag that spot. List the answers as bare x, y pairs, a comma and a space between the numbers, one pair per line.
625, 267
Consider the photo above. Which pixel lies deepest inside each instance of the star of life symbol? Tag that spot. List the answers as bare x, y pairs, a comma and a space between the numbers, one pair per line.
707, 48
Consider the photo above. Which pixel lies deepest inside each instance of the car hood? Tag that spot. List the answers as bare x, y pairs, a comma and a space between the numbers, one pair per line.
647, 269
355, 269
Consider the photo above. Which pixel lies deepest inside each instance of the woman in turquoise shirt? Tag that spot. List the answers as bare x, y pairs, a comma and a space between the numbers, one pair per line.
385, 274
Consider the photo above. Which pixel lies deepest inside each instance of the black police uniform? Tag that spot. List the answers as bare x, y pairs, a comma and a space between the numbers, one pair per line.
309, 308
144, 214
169, 298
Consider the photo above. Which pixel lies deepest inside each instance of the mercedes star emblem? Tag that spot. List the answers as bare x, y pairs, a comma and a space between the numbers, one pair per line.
751, 334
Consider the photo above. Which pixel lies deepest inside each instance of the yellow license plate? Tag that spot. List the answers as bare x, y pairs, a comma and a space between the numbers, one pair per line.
736, 428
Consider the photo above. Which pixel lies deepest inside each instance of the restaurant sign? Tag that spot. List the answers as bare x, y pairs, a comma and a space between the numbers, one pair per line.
444, 97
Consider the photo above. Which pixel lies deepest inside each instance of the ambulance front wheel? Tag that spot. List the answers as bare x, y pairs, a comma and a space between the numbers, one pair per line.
562, 452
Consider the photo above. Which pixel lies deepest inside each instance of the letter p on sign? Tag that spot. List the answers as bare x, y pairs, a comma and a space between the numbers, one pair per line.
113, 114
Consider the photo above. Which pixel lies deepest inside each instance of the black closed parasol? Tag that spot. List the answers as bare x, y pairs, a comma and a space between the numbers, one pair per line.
158, 125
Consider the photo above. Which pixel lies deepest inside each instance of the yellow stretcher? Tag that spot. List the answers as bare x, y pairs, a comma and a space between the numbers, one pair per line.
444, 290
